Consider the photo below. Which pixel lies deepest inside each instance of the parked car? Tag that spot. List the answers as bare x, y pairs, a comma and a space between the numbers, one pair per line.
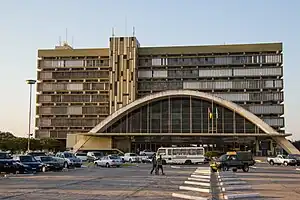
82, 156
236, 160
109, 161
130, 157
94, 155
51, 163
281, 160
7, 164
146, 157
146, 153
29, 163
70, 160
295, 157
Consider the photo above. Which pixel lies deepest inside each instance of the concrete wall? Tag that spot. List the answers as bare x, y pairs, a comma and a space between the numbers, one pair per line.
90, 142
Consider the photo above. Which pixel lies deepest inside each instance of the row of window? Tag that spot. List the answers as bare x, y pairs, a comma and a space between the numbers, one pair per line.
67, 122
72, 110
253, 96
217, 60
238, 72
71, 86
72, 98
210, 85
73, 63
72, 75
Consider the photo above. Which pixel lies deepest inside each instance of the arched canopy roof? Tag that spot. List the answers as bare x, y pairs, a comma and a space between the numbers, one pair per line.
102, 126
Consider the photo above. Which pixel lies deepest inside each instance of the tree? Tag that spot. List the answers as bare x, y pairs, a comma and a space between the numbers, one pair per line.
8, 142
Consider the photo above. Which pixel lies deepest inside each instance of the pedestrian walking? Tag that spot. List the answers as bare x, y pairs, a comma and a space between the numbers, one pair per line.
160, 165
153, 163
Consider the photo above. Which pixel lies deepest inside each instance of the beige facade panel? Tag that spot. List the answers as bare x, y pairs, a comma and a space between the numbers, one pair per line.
72, 52
75, 86
123, 53
74, 110
234, 48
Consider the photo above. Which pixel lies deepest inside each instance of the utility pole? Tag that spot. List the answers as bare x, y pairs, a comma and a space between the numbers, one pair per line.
30, 82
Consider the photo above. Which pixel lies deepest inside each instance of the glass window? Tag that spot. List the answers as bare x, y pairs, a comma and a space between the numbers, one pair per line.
161, 151
27, 159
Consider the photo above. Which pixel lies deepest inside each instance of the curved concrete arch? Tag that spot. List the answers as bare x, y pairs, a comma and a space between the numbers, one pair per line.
102, 126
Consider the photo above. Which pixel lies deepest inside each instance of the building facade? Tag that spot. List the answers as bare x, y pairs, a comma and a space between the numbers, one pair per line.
78, 89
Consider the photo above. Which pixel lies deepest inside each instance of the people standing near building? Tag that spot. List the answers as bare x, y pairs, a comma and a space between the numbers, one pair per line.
160, 165
153, 163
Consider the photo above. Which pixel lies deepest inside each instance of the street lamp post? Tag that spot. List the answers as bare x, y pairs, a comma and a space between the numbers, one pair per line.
30, 82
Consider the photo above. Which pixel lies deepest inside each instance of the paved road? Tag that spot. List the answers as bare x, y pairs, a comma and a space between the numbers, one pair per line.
97, 183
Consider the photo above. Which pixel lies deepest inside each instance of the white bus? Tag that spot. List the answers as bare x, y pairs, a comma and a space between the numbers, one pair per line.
181, 155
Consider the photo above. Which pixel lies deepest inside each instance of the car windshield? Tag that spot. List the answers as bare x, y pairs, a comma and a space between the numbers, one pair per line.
5, 156
222, 158
27, 159
132, 154
69, 155
46, 159
114, 157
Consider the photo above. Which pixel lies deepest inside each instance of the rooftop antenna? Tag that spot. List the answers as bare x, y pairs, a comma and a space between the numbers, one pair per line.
133, 31
113, 31
67, 35
125, 26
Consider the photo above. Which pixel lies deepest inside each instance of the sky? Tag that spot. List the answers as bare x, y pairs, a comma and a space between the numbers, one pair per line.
26, 26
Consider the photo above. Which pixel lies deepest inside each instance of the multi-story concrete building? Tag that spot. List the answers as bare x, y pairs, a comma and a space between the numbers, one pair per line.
132, 97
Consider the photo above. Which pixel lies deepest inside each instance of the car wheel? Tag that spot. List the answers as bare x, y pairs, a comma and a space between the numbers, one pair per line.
234, 169
245, 168
66, 165
44, 169
271, 162
225, 168
188, 162
107, 165
285, 164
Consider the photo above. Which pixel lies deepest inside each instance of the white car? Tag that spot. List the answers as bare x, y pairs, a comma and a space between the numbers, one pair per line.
146, 157
131, 157
109, 161
82, 156
281, 160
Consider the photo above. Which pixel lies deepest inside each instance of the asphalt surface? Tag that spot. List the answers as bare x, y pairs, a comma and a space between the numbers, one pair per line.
133, 182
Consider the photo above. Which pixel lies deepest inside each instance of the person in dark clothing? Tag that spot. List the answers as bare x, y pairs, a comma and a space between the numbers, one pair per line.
160, 165
153, 163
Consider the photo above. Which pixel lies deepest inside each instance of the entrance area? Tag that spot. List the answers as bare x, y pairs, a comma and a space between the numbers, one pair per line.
213, 143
